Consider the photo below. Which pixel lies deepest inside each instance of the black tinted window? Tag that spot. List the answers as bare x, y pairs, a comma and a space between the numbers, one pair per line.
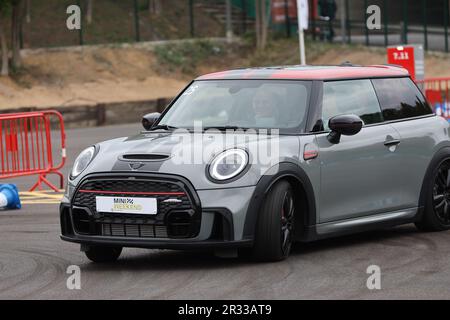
400, 98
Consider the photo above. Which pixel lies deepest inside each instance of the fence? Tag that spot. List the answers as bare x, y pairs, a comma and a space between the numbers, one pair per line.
116, 21
437, 91
422, 21
26, 146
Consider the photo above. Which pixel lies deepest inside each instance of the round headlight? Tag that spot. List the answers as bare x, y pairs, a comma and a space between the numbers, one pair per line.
82, 161
228, 164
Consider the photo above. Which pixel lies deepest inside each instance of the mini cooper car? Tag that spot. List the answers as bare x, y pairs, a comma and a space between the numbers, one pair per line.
357, 148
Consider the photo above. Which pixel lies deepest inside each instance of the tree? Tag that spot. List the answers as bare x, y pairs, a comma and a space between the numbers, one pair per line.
154, 6
261, 23
28, 11
4, 8
15, 32
229, 21
89, 11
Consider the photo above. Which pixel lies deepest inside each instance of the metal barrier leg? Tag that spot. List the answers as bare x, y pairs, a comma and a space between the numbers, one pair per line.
43, 180
61, 179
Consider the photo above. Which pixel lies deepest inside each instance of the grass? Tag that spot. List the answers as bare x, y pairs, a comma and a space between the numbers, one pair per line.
188, 57
286, 52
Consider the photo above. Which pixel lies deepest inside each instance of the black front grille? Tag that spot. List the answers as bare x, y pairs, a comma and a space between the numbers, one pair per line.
134, 230
128, 225
178, 217
168, 194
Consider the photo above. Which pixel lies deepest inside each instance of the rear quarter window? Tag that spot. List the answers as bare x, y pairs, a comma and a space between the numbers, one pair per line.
400, 99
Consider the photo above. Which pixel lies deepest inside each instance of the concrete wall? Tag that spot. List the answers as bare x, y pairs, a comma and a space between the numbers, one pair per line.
82, 116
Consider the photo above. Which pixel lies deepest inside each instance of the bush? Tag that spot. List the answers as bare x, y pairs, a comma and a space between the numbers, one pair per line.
187, 55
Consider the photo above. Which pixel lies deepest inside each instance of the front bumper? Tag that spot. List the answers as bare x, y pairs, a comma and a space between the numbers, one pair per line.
219, 222
156, 244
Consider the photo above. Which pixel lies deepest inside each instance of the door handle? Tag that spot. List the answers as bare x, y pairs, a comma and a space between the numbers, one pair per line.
393, 142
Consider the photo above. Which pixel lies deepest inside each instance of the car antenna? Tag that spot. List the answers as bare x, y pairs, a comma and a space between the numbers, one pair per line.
348, 64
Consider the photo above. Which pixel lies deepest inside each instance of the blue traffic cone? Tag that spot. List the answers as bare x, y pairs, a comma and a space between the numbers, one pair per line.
9, 197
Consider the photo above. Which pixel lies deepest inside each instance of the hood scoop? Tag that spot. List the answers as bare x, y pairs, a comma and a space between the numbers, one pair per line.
144, 157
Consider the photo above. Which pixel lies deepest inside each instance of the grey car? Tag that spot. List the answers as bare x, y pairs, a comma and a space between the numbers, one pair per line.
249, 161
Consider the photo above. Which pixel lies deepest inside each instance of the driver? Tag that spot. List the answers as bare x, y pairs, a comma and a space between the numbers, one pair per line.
265, 109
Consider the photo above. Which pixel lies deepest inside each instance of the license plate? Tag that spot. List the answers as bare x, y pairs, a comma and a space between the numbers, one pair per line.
127, 205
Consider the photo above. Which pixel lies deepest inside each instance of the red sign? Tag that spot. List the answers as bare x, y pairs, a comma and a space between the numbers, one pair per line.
282, 7
403, 56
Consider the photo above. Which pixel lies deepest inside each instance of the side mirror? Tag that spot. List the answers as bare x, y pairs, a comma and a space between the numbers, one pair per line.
347, 125
149, 120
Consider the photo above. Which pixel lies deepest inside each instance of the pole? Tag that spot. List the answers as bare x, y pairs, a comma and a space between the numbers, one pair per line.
366, 30
348, 22
343, 22
80, 31
286, 18
425, 24
191, 18
244, 16
136, 21
301, 37
313, 12
446, 24
229, 25
405, 21
21, 34
386, 23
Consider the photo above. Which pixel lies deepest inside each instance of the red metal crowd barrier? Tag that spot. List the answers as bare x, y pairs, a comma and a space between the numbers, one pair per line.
26, 146
437, 91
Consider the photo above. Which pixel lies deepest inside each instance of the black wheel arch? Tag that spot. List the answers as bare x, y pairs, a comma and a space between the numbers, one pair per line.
303, 190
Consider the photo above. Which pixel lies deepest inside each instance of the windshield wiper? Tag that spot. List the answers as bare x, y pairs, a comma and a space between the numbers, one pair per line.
163, 127
223, 128
220, 128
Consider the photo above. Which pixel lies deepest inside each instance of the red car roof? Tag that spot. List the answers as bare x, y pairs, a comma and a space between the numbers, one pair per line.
310, 72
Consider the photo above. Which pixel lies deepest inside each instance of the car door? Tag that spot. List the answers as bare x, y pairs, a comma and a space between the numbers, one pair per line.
405, 107
359, 175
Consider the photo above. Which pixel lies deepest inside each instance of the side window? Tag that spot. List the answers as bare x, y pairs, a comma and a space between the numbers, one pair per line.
350, 97
400, 98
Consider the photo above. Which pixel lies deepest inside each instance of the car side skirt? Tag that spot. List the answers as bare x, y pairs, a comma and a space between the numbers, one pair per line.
361, 224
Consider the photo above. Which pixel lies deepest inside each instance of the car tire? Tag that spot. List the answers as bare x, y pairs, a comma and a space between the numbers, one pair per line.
274, 231
101, 254
436, 215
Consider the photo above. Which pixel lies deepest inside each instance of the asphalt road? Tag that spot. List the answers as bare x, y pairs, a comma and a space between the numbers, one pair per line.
33, 261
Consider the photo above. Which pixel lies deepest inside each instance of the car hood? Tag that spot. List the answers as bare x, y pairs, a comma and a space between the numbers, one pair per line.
188, 155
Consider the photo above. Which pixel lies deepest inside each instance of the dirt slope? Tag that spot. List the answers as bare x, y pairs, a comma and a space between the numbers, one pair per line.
112, 74
104, 75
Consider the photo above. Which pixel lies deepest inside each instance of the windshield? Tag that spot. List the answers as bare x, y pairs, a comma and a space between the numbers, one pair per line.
256, 104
